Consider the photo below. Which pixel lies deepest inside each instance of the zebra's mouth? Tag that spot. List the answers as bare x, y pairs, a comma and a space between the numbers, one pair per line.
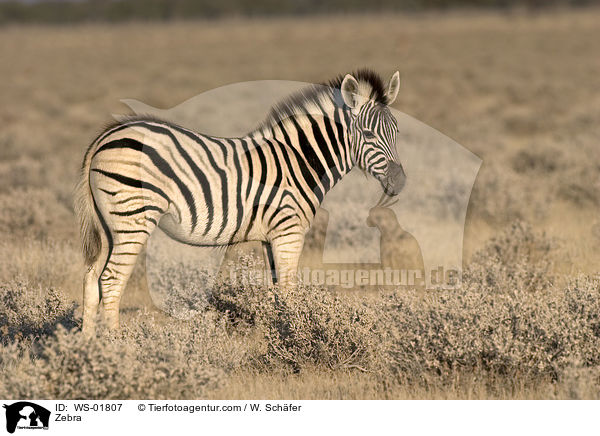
394, 181
388, 189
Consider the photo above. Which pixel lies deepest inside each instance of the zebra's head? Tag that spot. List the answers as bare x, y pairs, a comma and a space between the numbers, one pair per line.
373, 128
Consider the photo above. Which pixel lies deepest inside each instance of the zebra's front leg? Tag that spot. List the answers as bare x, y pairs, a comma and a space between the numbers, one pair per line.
287, 248
270, 269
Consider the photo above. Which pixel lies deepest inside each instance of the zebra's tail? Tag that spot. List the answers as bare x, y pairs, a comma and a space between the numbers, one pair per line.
85, 211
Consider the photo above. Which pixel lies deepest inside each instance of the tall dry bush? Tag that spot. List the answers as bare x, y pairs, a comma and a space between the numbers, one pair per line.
518, 259
69, 366
42, 355
28, 311
305, 327
206, 340
508, 320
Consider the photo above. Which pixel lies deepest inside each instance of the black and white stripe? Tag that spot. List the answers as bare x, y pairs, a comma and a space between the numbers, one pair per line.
207, 191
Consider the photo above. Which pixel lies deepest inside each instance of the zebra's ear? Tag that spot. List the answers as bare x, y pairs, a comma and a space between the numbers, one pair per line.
393, 86
349, 91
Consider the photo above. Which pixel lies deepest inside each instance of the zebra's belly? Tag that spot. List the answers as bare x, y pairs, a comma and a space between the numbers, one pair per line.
217, 237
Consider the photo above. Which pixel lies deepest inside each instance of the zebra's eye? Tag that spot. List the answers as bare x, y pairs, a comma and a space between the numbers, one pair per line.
368, 134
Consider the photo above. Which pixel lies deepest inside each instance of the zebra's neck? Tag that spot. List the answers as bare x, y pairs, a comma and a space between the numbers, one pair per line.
319, 140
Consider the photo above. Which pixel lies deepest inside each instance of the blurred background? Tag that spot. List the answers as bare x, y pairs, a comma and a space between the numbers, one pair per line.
57, 11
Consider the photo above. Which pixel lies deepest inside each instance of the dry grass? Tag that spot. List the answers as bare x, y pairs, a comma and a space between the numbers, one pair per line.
500, 336
518, 90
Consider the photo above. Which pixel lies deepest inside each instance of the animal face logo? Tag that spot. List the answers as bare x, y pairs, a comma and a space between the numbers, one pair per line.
26, 415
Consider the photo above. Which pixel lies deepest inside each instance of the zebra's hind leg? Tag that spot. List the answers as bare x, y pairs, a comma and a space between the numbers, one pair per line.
126, 247
91, 286
91, 299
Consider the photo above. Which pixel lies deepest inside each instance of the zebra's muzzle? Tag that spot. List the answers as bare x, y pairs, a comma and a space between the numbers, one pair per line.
395, 179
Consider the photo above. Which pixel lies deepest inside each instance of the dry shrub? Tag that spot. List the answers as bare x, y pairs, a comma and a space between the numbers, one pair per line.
532, 336
179, 289
508, 320
538, 162
314, 326
47, 263
19, 171
517, 260
206, 339
27, 311
34, 213
493, 197
19, 372
580, 322
466, 331
572, 176
580, 184
501, 195
118, 368
580, 318
305, 327
68, 366
146, 360
293, 329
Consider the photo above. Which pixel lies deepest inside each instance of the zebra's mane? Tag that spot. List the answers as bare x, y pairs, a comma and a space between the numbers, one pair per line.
300, 102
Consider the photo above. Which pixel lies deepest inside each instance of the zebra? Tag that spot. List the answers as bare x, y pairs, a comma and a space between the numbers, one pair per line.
141, 173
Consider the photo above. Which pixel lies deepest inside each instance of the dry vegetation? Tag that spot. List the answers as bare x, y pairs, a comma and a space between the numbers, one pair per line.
519, 91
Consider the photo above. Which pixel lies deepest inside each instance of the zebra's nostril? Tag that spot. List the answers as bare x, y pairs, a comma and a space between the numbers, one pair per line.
395, 171
396, 178
394, 167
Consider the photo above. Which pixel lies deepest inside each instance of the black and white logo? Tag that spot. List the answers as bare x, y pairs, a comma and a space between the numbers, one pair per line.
26, 415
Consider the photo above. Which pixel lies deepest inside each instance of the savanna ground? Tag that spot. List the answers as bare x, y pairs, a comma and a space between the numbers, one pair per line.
520, 91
